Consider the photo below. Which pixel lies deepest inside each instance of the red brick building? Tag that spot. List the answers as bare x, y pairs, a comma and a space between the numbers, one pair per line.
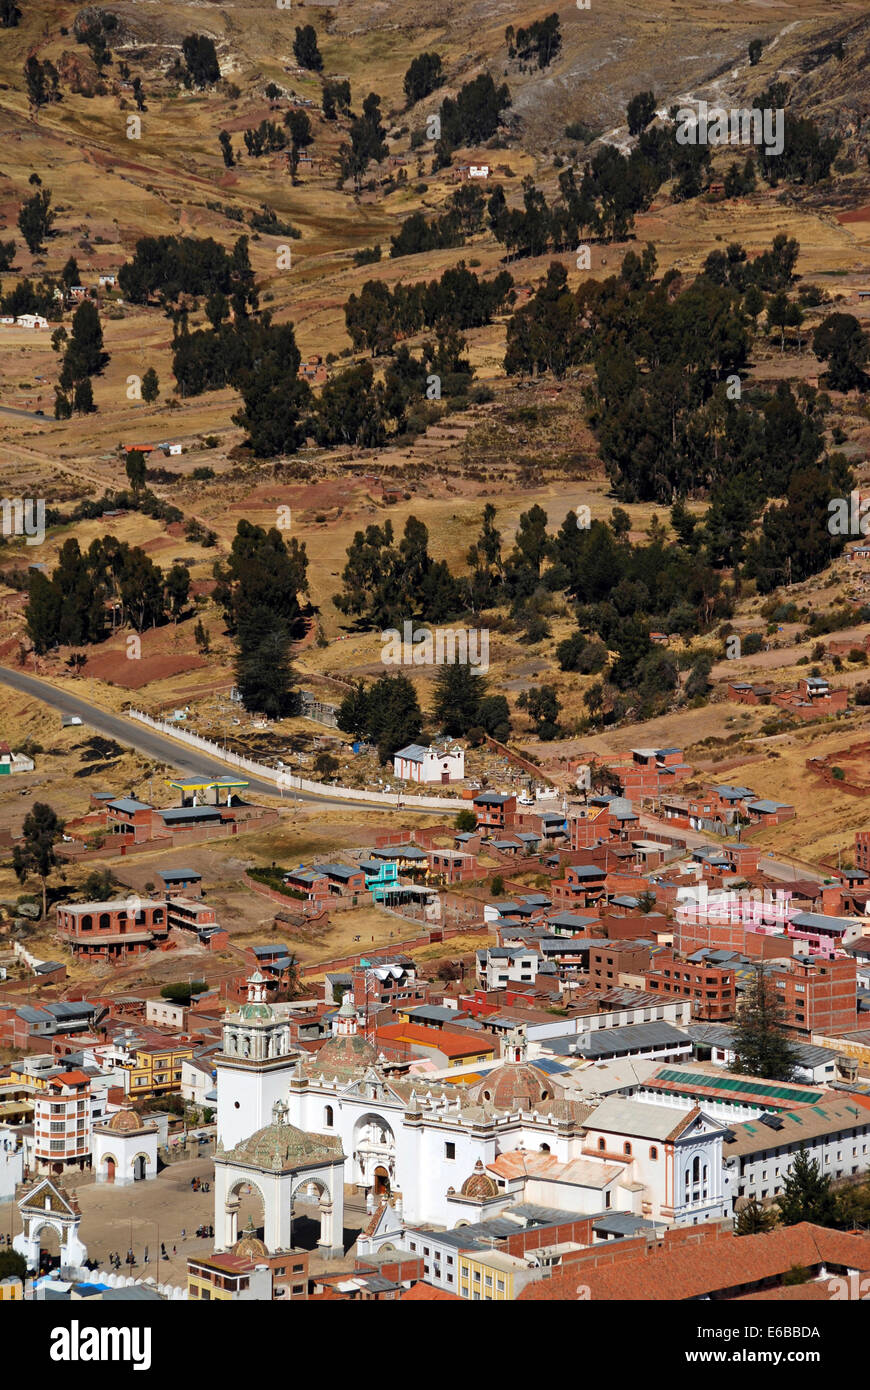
819, 996
495, 810
608, 962
112, 929
711, 988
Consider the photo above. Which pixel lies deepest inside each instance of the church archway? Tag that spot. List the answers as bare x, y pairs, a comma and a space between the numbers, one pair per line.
110, 1166
374, 1148
309, 1199
140, 1164
246, 1206
381, 1182
49, 1244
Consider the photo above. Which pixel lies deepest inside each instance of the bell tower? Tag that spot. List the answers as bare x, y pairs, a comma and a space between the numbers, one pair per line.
253, 1067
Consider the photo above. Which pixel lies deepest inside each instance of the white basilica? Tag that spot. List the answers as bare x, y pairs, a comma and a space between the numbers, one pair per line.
447, 1154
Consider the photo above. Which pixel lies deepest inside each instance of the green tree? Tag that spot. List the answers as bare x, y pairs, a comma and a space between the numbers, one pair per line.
35, 853
459, 691
494, 717
841, 342
753, 1219
807, 1193
640, 112
465, 820
273, 395
42, 81
83, 397
35, 220
698, 680
135, 466
10, 14
353, 712
12, 1265
150, 386
43, 612
306, 50
226, 144
543, 708
299, 125
396, 718
177, 589
200, 60
761, 1045
84, 356
264, 675
422, 77
183, 991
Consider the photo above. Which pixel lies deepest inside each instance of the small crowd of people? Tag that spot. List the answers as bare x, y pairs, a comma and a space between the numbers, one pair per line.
197, 1185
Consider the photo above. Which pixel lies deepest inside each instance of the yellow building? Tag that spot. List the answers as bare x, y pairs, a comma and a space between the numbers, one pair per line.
492, 1276
222, 1278
156, 1071
11, 1290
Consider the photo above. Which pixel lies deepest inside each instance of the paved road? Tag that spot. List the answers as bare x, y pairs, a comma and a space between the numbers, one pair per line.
153, 744
27, 414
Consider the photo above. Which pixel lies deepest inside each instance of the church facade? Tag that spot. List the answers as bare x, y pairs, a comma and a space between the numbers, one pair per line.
460, 1154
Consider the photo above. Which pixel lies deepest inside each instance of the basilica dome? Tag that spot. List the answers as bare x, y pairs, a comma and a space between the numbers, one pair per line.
344, 1056
127, 1122
512, 1086
479, 1186
278, 1147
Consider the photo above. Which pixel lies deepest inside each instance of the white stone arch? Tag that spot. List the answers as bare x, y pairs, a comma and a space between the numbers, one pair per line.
48, 1206
233, 1203
374, 1149
146, 1162
310, 1180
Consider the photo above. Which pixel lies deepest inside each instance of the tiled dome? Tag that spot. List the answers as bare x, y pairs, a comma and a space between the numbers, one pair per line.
345, 1056
249, 1245
512, 1086
126, 1122
480, 1186
281, 1147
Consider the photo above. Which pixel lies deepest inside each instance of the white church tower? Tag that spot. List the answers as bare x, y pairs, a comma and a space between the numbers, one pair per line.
254, 1067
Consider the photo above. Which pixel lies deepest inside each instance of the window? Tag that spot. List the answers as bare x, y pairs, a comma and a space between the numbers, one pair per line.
653, 1153
449, 1149
602, 1144
626, 1149
328, 1117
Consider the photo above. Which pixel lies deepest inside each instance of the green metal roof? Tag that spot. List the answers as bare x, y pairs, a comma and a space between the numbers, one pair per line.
768, 1089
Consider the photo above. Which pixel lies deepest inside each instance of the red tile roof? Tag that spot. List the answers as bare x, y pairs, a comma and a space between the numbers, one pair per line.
713, 1264
422, 1290
452, 1043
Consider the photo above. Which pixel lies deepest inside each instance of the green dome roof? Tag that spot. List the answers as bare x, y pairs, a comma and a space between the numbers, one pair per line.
281, 1147
250, 1011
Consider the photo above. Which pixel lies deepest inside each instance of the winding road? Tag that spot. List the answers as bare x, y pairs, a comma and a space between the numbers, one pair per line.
153, 744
